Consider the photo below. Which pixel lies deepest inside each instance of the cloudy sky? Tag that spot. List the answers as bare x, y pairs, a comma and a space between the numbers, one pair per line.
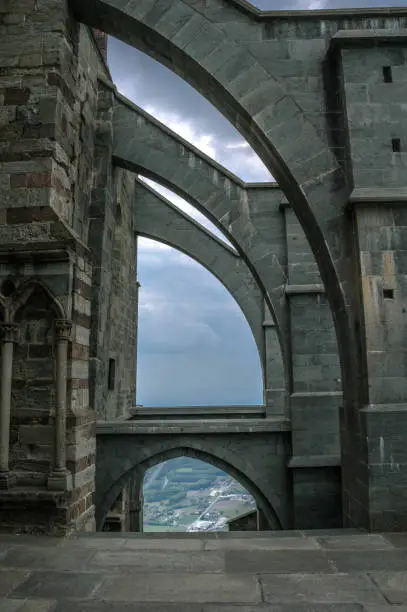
195, 347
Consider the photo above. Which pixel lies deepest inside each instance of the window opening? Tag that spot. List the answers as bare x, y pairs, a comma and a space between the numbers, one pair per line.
387, 74
396, 145
111, 374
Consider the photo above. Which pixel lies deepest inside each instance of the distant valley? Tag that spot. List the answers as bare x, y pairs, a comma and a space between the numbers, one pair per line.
185, 494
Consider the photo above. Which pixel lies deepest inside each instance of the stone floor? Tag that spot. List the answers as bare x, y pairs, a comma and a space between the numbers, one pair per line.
238, 572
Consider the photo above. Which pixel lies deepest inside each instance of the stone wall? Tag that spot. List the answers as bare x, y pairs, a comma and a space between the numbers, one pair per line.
257, 459
123, 310
374, 83
315, 387
51, 120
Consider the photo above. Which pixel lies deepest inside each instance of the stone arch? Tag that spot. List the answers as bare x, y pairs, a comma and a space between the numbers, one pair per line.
204, 44
262, 501
25, 292
160, 220
143, 144
35, 311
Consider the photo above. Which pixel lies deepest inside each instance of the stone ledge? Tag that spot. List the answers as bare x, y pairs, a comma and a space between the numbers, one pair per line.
284, 204
383, 195
32, 494
201, 426
384, 408
318, 461
307, 14
52, 237
269, 323
193, 412
304, 289
310, 394
352, 38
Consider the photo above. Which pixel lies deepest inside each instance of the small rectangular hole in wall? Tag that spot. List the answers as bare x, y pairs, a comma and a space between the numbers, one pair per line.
396, 145
388, 294
387, 74
111, 374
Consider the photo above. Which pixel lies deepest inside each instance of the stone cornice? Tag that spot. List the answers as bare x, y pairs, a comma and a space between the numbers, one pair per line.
378, 195
304, 289
193, 426
253, 11
317, 461
320, 13
361, 38
63, 329
8, 332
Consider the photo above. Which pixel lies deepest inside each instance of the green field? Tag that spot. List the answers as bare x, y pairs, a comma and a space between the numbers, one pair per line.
161, 528
166, 500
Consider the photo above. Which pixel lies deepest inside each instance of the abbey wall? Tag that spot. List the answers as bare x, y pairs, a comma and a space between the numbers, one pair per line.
321, 97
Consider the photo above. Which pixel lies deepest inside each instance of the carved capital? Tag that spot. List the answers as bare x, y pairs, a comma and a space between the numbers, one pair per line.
8, 332
63, 329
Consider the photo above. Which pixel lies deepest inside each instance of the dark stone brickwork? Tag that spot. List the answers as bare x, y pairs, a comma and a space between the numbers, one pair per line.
321, 97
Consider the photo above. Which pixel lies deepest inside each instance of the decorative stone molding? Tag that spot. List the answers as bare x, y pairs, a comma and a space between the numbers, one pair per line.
8, 332
63, 330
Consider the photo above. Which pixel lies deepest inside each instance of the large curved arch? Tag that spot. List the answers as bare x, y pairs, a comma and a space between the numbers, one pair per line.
160, 220
262, 501
203, 42
143, 144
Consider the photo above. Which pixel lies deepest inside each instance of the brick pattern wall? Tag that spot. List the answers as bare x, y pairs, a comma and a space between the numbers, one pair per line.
315, 381
123, 304
374, 82
48, 97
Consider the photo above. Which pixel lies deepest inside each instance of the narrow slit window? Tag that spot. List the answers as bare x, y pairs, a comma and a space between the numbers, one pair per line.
387, 74
111, 374
388, 294
396, 145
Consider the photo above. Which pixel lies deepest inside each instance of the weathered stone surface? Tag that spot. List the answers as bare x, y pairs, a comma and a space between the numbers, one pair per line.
321, 98
123, 584
265, 471
202, 588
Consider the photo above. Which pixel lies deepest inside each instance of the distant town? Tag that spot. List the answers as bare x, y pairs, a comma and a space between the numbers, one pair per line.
189, 495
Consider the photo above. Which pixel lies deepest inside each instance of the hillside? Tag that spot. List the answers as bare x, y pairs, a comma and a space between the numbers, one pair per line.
189, 495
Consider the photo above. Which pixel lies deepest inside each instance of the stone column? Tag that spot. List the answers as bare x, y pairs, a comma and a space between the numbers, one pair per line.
8, 338
274, 375
60, 478
136, 502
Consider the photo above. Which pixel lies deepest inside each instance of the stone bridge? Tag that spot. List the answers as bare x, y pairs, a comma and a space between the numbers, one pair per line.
318, 265
253, 451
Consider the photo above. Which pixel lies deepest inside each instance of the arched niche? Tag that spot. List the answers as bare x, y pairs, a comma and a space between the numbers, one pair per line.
34, 311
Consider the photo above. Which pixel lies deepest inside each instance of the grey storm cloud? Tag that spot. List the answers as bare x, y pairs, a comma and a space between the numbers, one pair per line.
194, 345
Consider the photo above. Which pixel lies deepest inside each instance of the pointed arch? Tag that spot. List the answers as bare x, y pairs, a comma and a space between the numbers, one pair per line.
25, 292
203, 43
262, 501
160, 220
35, 309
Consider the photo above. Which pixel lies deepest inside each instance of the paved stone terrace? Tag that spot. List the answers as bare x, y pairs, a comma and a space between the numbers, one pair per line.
295, 571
